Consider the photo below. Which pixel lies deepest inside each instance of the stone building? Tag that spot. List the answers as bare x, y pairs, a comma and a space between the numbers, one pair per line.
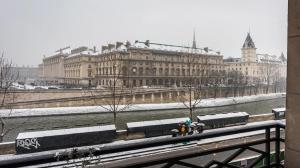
153, 64
25, 74
79, 67
53, 67
69, 66
144, 64
257, 68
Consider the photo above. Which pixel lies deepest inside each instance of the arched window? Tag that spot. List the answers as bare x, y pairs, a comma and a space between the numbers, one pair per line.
124, 70
141, 70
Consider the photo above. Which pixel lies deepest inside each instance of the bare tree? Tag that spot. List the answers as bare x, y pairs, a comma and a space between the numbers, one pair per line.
244, 85
235, 80
217, 81
193, 76
7, 97
116, 89
281, 84
257, 85
279, 81
276, 81
269, 70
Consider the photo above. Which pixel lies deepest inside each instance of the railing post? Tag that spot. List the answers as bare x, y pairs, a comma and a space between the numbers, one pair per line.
268, 163
277, 146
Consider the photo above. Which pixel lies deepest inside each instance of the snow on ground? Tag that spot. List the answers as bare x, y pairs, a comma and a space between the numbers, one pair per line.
205, 103
18, 86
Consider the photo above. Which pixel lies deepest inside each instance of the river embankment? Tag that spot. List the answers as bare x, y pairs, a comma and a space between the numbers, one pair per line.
204, 103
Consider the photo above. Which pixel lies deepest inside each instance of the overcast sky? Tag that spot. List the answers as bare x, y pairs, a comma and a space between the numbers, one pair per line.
30, 29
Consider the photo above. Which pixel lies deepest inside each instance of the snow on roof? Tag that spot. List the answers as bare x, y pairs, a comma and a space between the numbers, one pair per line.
121, 48
279, 109
156, 122
174, 48
225, 115
37, 134
266, 58
160, 47
64, 51
87, 52
68, 52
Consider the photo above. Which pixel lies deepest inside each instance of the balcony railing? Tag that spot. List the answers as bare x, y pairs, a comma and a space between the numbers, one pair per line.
167, 151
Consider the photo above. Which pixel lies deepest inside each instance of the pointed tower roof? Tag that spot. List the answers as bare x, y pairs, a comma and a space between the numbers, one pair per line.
194, 41
248, 42
282, 57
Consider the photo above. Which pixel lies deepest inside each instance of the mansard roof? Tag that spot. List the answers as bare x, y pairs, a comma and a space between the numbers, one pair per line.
248, 42
159, 47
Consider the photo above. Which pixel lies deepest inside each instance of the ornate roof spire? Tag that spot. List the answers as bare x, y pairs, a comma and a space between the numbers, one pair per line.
248, 42
194, 41
282, 57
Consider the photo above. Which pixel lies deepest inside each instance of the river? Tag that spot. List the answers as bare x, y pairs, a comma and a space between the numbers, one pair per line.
56, 122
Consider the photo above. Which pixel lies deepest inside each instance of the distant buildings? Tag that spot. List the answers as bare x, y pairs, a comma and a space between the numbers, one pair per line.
25, 73
138, 64
69, 66
153, 64
257, 68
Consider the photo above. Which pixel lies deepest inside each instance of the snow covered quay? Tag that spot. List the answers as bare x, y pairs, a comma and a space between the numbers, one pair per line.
205, 103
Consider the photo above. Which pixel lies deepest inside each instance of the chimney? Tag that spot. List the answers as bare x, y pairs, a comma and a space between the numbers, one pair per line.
111, 46
127, 44
205, 49
104, 48
147, 43
118, 44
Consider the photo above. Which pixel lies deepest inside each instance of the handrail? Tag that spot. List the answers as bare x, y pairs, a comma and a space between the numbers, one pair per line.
127, 145
49, 156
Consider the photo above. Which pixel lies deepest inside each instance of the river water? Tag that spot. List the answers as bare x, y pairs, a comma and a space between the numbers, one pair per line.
57, 122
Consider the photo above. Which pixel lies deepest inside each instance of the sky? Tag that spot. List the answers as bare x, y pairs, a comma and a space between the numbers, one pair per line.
30, 29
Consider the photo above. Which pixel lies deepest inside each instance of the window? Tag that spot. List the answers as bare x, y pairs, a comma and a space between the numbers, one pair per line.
124, 70
160, 71
141, 71
178, 71
134, 82
154, 71
172, 71
89, 73
166, 71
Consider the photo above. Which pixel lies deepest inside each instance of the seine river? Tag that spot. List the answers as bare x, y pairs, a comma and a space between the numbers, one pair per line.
56, 122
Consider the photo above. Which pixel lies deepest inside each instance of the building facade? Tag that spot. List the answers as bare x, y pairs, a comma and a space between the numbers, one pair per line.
79, 67
138, 64
69, 67
257, 68
152, 64
53, 67
144, 64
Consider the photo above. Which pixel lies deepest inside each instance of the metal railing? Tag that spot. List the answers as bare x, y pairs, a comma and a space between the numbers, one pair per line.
144, 152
